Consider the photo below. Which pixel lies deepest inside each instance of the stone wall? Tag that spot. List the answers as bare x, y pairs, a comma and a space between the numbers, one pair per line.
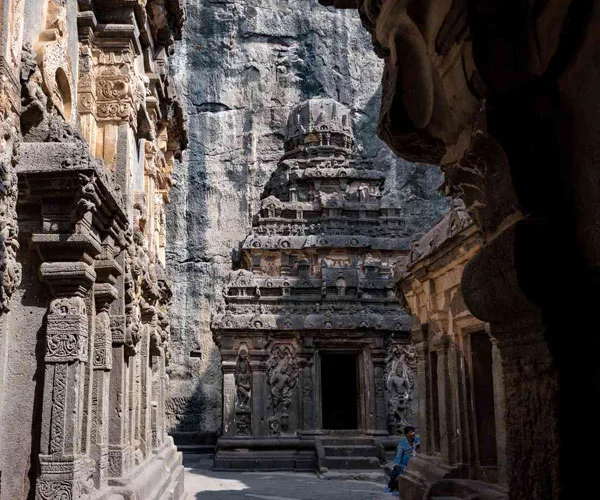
240, 67
89, 130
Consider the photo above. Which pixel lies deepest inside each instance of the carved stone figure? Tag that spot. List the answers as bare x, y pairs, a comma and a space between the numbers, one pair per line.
400, 385
282, 377
243, 380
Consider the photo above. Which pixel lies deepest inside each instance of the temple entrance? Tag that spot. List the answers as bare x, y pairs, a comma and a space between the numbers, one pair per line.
339, 396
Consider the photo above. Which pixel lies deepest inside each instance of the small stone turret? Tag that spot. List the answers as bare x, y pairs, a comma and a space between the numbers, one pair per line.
319, 122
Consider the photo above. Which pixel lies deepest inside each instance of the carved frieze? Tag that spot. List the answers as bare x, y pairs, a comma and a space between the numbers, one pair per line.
10, 269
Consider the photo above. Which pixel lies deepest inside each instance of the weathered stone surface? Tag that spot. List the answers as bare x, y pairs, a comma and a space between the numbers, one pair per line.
505, 97
241, 67
89, 128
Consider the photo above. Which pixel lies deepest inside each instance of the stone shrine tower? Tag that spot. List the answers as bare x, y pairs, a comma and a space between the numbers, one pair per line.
314, 343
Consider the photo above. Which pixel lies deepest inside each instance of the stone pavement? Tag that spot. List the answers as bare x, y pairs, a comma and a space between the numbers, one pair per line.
203, 483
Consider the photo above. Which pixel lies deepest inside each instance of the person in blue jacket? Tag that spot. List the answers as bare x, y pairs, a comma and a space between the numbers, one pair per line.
407, 447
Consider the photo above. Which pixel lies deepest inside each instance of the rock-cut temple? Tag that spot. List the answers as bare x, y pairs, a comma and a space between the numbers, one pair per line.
313, 340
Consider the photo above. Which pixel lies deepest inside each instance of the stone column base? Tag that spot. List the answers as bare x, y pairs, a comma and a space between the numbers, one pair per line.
426, 477
158, 478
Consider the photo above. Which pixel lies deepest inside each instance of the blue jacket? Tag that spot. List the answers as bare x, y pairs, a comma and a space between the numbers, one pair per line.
404, 452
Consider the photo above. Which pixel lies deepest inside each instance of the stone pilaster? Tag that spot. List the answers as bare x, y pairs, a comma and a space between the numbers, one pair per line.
500, 407
145, 394
379, 386
530, 402
63, 469
260, 427
308, 394
229, 397
119, 451
446, 400
104, 294
423, 382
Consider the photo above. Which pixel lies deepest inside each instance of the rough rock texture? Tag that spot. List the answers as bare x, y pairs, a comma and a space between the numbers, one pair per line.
241, 67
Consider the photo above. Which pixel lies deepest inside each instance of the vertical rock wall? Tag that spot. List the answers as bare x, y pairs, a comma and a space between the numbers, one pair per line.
240, 68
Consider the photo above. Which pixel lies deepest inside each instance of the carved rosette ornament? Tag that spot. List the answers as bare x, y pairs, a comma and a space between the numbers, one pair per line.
282, 377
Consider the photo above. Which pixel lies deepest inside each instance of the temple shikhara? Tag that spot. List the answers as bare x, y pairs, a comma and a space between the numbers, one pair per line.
312, 338
264, 235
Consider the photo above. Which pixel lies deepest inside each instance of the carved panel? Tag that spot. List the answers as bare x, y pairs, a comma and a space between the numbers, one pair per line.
102, 358
243, 423
66, 338
59, 401
114, 86
117, 328
282, 377
49, 489
400, 377
243, 379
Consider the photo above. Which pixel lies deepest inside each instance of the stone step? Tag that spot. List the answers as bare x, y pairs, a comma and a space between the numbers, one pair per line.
371, 475
350, 451
347, 441
355, 463
196, 449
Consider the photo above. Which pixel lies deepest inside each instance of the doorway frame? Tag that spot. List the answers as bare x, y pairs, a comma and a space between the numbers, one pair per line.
362, 380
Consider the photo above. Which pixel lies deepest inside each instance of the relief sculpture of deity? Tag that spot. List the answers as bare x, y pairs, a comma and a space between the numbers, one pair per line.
282, 376
243, 380
400, 386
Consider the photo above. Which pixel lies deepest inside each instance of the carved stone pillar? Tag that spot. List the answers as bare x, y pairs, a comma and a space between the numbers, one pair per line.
380, 405
63, 469
119, 451
423, 422
308, 397
530, 377
368, 389
260, 427
104, 295
157, 409
500, 406
145, 394
229, 397
447, 419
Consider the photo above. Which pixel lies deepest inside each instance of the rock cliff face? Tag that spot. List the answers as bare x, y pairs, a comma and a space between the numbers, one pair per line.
240, 68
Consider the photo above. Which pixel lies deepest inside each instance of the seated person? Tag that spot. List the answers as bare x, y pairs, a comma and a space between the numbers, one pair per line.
407, 447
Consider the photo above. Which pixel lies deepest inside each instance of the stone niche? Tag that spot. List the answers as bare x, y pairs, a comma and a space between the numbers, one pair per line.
314, 344
89, 130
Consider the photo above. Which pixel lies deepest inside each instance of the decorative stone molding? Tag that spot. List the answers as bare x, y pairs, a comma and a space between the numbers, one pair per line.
67, 145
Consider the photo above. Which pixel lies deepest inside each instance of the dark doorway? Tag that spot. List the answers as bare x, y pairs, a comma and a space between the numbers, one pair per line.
483, 382
339, 395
